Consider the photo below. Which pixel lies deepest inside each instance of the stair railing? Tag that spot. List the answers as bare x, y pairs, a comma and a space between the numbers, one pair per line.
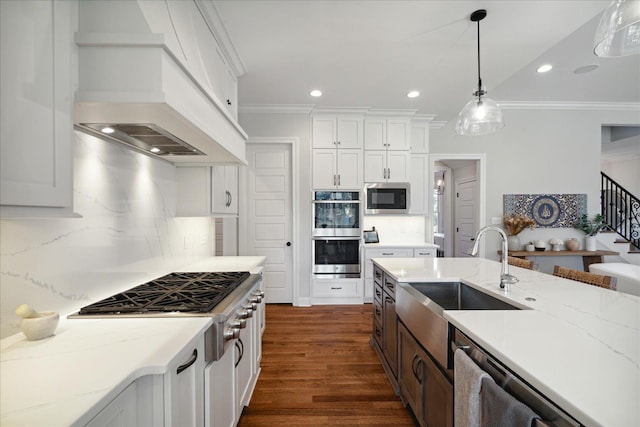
620, 209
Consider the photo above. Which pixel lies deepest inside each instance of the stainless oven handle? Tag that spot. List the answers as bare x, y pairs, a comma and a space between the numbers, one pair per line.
336, 201
335, 238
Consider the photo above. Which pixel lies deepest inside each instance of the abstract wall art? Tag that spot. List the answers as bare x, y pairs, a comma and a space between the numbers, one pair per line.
547, 210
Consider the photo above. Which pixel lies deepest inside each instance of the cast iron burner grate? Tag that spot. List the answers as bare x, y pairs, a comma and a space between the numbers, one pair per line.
183, 292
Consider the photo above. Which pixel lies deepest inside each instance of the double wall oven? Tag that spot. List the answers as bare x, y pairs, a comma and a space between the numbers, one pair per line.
336, 234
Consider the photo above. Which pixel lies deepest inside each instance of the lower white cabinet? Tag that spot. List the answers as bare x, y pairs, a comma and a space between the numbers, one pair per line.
140, 404
389, 252
184, 387
336, 291
220, 391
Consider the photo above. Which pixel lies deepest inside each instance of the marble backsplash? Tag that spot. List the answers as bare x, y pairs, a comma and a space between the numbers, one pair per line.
127, 234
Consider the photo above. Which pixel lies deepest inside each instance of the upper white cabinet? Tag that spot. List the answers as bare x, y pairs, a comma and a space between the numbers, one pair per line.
387, 146
387, 134
419, 181
36, 126
420, 137
337, 168
337, 152
224, 187
386, 166
207, 190
335, 131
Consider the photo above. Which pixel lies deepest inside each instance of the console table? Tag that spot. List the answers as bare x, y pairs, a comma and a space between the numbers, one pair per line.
588, 257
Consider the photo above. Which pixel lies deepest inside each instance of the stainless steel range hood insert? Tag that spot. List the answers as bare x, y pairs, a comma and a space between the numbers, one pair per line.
146, 137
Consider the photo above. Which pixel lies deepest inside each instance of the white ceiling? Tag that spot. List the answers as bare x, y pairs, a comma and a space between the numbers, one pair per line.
371, 53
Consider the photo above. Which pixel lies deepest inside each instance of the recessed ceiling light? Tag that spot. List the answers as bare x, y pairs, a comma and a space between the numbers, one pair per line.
413, 94
155, 150
585, 69
107, 129
544, 68
315, 93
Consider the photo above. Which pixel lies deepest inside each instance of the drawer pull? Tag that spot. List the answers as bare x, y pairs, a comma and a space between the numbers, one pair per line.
387, 253
336, 288
190, 362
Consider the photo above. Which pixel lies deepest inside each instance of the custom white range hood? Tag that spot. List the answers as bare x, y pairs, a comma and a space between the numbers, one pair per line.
155, 73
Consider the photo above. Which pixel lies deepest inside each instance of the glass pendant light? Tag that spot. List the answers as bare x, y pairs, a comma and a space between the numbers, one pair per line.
481, 115
618, 33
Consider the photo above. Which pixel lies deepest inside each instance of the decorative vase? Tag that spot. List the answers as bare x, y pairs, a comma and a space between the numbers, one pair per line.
530, 247
572, 244
513, 243
590, 243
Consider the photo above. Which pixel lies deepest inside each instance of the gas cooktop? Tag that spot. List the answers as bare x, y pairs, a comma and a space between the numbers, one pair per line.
175, 292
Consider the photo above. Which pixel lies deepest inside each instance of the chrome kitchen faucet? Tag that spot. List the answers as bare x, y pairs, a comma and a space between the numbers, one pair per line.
506, 279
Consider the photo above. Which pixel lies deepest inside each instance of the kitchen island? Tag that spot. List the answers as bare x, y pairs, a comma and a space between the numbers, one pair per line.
68, 378
579, 345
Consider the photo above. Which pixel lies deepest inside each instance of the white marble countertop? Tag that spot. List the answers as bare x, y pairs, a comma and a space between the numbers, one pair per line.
383, 245
66, 379
578, 344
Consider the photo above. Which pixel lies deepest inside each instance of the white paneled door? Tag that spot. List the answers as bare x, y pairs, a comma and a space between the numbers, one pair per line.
465, 216
270, 218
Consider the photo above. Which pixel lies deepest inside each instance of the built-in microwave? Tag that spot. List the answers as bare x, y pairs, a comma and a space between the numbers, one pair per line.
387, 198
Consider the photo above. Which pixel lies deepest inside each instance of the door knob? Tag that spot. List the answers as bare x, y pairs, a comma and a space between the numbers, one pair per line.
288, 243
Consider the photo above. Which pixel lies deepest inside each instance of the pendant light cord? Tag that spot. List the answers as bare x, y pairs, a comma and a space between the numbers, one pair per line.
479, 79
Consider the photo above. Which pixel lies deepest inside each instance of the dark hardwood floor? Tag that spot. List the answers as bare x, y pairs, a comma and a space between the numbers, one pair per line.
318, 369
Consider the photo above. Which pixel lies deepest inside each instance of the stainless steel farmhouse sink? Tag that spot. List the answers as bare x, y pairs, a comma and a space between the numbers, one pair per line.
459, 296
420, 307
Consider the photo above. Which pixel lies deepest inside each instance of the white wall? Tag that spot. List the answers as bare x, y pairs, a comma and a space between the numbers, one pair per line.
128, 234
538, 151
258, 125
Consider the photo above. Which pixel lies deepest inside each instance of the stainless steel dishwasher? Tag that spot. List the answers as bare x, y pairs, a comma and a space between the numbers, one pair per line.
552, 415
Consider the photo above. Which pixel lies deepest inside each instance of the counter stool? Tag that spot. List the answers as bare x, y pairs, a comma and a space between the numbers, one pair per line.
520, 262
600, 280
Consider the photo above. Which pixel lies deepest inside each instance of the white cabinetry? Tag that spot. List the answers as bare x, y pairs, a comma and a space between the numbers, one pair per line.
419, 181
336, 291
334, 131
337, 168
36, 123
219, 391
140, 404
387, 146
229, 382
207, 190
337, 152
386, 166
387, 134
184, 387
389, 252
419, 176
224, 187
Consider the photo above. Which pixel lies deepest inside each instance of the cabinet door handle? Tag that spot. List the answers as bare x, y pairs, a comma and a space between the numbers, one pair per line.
416, 363
190, 362
230, 198
240, 347
338, 179
388, 173
334, 180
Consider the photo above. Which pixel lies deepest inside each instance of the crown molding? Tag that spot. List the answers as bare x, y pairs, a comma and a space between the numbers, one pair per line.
276, 108
423, 118
553, 105
437, 125
391, 113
